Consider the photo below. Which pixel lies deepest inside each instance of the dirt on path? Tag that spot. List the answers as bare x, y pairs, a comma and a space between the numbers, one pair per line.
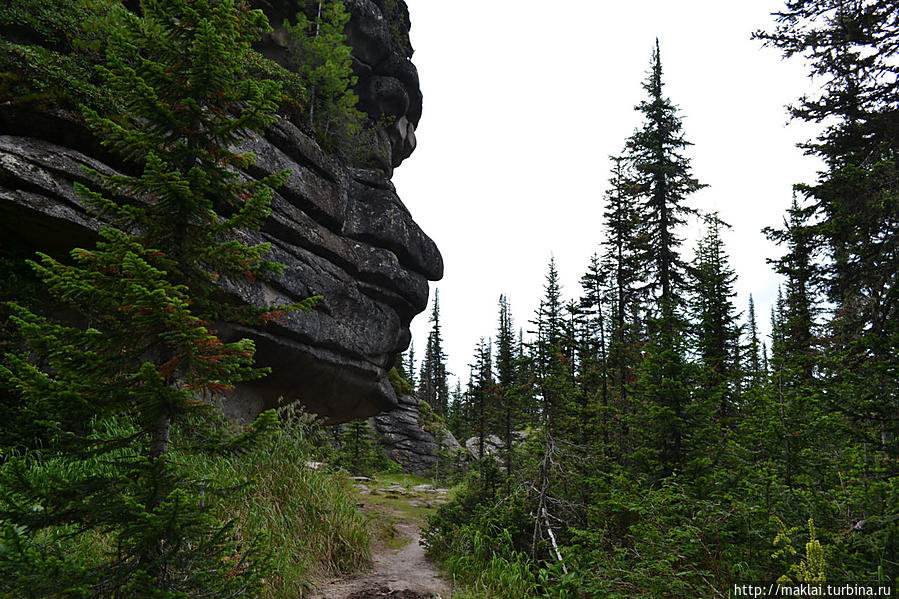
400, 569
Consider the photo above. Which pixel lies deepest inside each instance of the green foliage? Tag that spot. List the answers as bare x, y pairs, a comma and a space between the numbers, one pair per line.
312, 528
813, 568
323, 61
93, 521
475, 540
428, 419
716, 331
662, 180
49, 48
483, 575
658, 542
839, 241
181, 118
405, 365
432, 385
552, 363
661, 421
476, 414
449, 462
17, 280
663, 454
107, 402
358, 450
306, 521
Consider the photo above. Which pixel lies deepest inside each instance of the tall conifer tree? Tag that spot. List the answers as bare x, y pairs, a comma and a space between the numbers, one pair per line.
432, 383
798, 304
663, 180
324, 62
115, 398
717, 331
852, 210
753, 366
551, 369
593, 346
482, 396
624, 261
506, 369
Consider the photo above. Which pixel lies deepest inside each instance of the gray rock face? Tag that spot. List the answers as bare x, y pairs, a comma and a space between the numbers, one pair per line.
341, 231
407, 442
493, 446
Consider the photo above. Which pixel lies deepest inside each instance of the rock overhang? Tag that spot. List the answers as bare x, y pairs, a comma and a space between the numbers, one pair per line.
339, 228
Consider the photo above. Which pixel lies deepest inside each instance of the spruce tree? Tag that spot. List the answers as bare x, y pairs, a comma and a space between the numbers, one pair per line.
593, 347
508, 386
663, 181
324, 62
120, 397
661, 419
717, 379
753, 364
407, 359
785, 395
852, 209
716, 330
432, 383
482, 395
553, 379
847, 221
798, 304
623, 260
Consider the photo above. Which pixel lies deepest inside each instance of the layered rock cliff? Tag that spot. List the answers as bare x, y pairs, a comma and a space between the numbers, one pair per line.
338, 227
419, 443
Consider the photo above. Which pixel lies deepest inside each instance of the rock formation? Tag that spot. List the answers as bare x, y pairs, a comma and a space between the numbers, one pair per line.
493, 446
413, 442
340, 229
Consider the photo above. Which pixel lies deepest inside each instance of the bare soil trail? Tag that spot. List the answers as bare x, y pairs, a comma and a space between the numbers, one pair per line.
400, 569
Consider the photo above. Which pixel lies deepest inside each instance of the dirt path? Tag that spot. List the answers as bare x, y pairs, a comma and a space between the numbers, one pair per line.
400, 569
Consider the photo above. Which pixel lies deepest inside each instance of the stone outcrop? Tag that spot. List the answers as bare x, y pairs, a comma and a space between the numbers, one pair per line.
413, 442
340, 229
493, 446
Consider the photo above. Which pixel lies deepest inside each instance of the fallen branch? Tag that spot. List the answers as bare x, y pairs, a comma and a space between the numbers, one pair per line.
552, 538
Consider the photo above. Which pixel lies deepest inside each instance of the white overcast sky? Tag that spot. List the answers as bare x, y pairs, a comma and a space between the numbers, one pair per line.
523, 103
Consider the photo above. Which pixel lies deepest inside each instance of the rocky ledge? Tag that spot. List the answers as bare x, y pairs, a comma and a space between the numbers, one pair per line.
413, 442
341, 230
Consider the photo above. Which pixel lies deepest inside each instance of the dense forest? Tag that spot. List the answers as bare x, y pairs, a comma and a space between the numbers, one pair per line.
641, 438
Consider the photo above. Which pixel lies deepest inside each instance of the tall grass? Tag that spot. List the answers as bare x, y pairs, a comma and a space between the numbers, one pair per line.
498, 578
480, 572
313, 528
306, 520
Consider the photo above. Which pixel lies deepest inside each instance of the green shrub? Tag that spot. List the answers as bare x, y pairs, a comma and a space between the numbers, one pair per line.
476, 538
306, 521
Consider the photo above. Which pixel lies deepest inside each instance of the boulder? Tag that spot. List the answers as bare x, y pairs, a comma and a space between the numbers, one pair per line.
493, 445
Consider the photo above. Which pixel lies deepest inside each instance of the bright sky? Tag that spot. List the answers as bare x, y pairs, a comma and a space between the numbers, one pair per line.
523, 103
